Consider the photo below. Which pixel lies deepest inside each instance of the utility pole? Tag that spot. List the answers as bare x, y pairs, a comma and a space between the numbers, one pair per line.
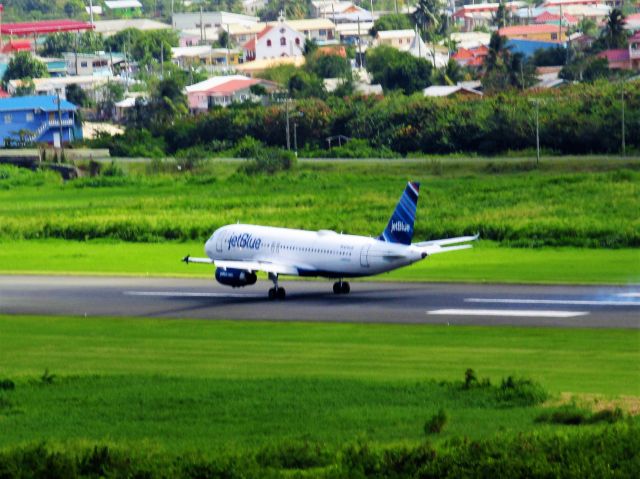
359, 46
91, 12
161, 61
60, 125
295, 137
537, 102
624, 152
286, 100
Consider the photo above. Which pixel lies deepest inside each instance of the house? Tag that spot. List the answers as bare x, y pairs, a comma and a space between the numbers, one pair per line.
321, 30
196, 56
570, 13
258, 66
251, 7
471, 57
216, 20
549, 33
37, 119
278, 40
223, 91
14, 46
588, 3
124, 8
108, 28
624, 58
54, 85
96, 10
100, 63
451, 90
400, 39
435, 55
470, 17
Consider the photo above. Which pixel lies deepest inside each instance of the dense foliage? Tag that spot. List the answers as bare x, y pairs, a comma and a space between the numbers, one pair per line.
575, 120
396, 70
609, 452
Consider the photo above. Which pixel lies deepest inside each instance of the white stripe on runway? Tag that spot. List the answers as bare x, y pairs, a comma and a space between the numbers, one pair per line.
184, 294
508, 312
567, 302
629, 295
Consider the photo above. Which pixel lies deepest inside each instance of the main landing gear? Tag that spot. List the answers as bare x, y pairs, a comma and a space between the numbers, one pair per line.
341, 287
276, 292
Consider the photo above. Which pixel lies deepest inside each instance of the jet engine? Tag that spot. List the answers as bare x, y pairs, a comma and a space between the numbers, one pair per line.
235, 277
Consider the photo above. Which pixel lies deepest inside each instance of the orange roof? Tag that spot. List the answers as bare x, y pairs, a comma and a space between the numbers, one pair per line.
16, 46
462, 54
527, 30
251, 44
231, 87
547, 16
338, 50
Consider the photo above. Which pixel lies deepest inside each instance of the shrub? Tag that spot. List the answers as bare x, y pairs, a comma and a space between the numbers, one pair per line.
570, 415
47, 377
269, 160
113, 170
470, 378
437, 423
521, 392
247, 147
294, 455
7, 385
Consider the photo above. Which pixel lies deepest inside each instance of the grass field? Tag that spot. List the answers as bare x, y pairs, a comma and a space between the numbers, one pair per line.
563, 203
187, 385
487, 262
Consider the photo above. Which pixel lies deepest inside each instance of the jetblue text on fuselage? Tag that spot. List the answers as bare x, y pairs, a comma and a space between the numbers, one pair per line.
400, 226
244, 240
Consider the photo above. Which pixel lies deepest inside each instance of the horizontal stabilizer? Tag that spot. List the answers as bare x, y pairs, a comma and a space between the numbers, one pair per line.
447, 241
435, 249
265, 266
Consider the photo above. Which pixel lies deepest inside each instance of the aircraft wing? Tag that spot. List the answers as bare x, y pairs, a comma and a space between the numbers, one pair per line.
446, 245
266, 266
188, 259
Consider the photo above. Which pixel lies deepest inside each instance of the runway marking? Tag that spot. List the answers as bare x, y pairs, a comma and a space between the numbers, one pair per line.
629, 295
566, 302
508, 312
186, 294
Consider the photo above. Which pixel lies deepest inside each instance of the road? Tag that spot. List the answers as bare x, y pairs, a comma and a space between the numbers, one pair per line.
374, 302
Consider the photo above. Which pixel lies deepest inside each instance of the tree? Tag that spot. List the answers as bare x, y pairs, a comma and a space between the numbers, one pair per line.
503, 70
614, 34
24, 65
167, 103
306, 85
500, 18
73, 8
396, 70
429, 18
110, 94
328, 66
393, 21
450, 74
223, 39
76, 95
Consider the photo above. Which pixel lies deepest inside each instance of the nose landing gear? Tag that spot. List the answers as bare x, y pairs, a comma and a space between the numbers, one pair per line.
341, 287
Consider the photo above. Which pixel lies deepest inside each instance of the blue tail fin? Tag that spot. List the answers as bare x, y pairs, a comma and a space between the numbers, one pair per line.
400, 227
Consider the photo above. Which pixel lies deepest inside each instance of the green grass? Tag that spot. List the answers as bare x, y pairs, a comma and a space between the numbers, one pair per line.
487, 262
563, 203
187, 385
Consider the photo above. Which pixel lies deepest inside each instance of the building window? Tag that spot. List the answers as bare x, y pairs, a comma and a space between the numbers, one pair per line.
322, 33
554, 36
268, 43
283, 41
298, 41
83, 64
29, 116
7, 118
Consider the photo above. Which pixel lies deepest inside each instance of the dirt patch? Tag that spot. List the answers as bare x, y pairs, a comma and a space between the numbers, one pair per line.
597, 402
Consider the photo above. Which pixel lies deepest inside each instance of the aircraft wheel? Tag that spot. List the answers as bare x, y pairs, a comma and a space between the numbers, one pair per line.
281, 293
345, 288
272, 293
336, 288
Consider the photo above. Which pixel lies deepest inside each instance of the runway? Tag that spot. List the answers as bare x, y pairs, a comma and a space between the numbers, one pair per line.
368, 302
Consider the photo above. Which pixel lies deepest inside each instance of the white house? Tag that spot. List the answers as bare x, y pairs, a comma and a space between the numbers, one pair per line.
251, 7
277, 40
400, 39
218, 20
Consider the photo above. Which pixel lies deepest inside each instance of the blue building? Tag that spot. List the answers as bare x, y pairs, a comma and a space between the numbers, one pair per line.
37, 119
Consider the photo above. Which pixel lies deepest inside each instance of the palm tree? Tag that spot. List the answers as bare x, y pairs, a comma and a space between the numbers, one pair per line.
614, 32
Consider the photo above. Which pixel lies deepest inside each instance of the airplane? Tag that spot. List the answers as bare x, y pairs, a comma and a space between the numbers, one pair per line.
240, 250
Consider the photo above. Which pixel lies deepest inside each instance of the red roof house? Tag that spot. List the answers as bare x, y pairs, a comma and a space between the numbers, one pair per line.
13, 46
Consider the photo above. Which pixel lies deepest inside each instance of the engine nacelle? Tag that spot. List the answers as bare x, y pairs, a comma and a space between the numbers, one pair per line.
235, 277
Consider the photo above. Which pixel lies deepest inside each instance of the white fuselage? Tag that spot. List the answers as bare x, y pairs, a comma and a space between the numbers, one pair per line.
312, 253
